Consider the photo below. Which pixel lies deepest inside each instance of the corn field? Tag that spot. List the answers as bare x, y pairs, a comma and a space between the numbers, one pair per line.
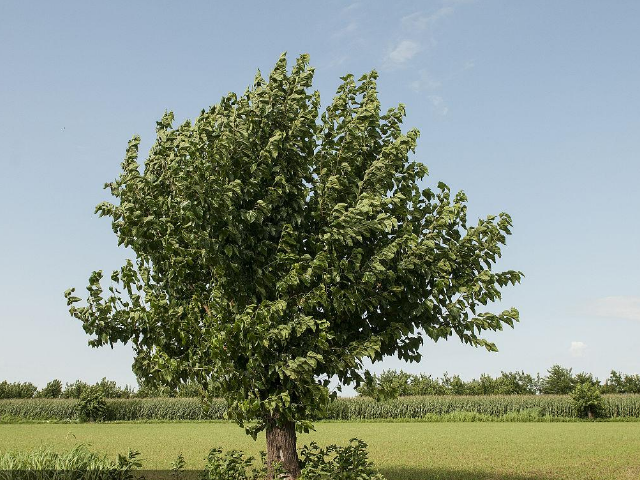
359, 408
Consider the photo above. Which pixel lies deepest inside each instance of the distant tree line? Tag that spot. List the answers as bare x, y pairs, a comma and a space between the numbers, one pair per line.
389, 384
109, 389
559, 380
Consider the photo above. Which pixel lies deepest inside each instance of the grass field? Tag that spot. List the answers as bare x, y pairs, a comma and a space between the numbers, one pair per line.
402, 451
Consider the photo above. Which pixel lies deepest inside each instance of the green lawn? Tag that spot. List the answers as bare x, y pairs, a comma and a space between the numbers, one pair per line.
402, 451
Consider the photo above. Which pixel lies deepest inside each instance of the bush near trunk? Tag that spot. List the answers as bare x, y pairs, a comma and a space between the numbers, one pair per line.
587, 401
92, 406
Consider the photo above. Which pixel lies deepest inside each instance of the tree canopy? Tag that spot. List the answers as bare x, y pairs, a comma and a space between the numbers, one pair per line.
277, 247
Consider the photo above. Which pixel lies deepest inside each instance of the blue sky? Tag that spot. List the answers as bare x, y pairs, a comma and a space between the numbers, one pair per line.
530, 107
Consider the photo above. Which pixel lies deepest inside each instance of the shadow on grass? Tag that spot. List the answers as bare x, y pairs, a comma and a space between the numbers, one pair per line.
425, 473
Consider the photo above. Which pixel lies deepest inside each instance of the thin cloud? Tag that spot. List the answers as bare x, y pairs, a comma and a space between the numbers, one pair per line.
623, 307
350, 29
336, 61
420, 21
577, 349
426, 81
438, 105
403, 52
468, 65
351, 8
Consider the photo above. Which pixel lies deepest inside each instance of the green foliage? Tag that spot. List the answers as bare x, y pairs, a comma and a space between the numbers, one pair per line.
46, 464
585, 377
587, 400
109, 389
389, 385
277, 247
17, 390
559, 381
337, 463
329, 463
621, 383
232, 465
92, 406
178, 466
75, 389
53, 389
392, 384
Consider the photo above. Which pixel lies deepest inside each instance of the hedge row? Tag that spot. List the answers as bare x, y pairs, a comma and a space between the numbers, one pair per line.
359, 408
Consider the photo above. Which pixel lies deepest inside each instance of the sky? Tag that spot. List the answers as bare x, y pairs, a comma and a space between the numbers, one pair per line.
532, 108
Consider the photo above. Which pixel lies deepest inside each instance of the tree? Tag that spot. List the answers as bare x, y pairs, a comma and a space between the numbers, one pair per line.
584, 377
276, 248
515, 383
53, 389
621, 383
559, 381
587, 400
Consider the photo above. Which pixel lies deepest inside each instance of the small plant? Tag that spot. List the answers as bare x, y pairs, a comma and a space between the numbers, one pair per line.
92, 406
587, 400
177, 467
337, 463
231, 465
127, 464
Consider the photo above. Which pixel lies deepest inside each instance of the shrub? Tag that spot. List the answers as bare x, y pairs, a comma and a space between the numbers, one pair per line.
337, 463
231, 465
177, 467
92, 405
587, 400
330, 463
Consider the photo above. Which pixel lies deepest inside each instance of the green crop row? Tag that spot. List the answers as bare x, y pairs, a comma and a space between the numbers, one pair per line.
117, 409
359, 408
362, 408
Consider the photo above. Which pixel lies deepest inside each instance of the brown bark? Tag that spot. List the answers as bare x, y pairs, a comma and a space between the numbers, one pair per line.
281, 448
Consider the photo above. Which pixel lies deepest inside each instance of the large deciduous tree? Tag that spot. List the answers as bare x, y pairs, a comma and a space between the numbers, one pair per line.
277, 248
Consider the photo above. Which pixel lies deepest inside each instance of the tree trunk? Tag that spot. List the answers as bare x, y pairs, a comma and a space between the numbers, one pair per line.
590, 413
281, 448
